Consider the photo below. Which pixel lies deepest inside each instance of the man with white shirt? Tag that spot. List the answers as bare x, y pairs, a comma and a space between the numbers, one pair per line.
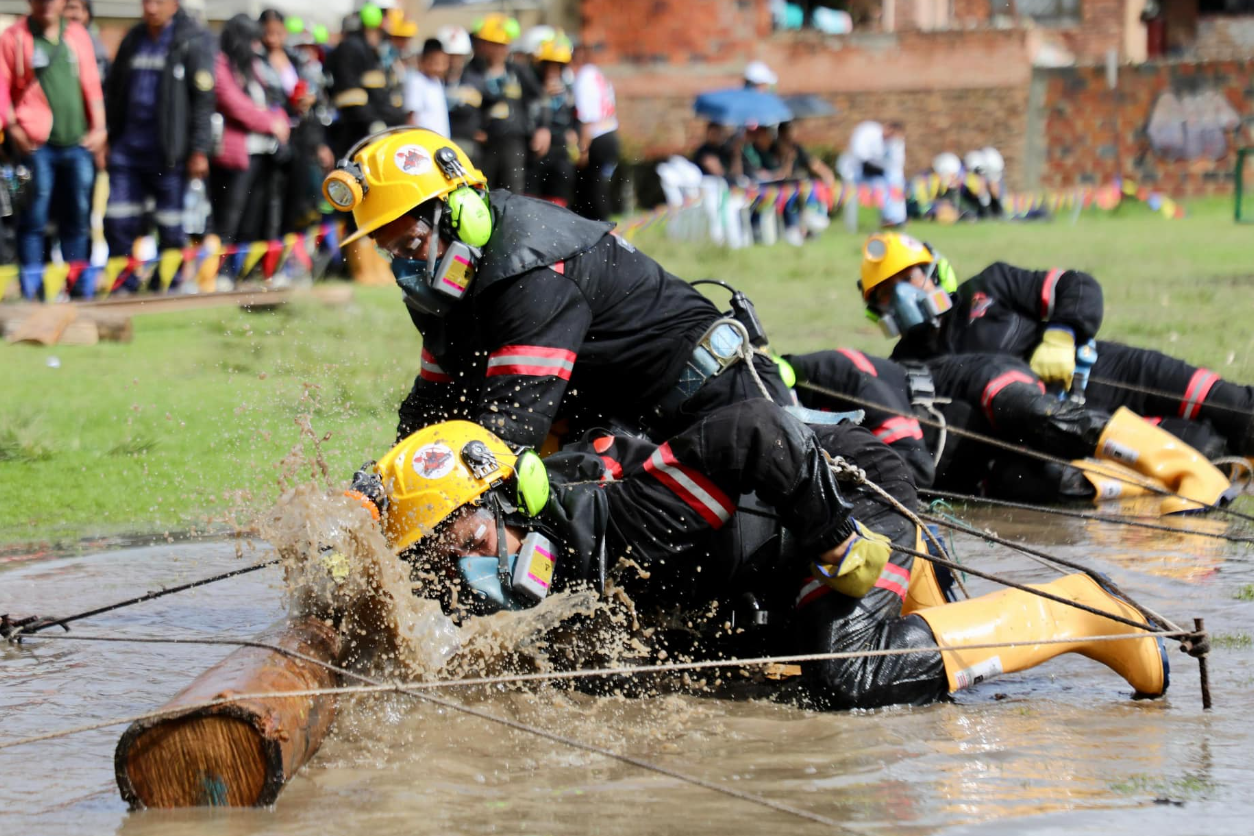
597, 113
877, 158
424, 90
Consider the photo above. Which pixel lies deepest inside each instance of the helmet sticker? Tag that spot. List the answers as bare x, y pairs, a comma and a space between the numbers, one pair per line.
413, 159
912, 243
433, 461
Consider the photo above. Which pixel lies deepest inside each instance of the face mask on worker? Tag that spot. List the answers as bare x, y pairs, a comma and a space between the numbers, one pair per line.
510, 581
912, 307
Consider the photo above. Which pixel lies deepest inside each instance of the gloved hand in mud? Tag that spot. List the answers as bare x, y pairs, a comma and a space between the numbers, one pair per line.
853, 567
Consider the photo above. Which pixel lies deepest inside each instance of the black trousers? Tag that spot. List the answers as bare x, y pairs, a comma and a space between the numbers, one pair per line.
1195, 394
504, 162
592, 183
552, 176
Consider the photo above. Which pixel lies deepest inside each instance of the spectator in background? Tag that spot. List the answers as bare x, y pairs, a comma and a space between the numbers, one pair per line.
464, 100
552, 176
597, 112
711, 156
79, 11
52, 112
759, 77
877, 158
159, 101
796, 163
759, 161
358, 82
508, 91
295, 189
424, 90
250, 126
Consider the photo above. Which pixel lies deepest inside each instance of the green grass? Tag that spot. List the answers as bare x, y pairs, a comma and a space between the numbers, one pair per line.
190, 425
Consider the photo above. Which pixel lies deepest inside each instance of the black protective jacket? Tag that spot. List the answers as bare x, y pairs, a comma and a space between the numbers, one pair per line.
1005, 310
506, 102
358, 90
186, 98
664, 506
561, 317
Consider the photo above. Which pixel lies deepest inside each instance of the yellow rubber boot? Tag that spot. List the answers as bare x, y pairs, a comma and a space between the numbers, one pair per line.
1156, 453
1017, 616
924, 589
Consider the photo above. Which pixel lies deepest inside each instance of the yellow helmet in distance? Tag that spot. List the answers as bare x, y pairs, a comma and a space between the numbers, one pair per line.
556, 49
496, 28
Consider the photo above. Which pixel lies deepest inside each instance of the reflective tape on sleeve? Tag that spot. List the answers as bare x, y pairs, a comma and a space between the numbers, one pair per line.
694, 488
994, 387
1047, 293
1195, 393
860, 360
531, 361
431, 370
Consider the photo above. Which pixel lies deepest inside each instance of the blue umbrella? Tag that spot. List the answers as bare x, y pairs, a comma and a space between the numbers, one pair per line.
741, 107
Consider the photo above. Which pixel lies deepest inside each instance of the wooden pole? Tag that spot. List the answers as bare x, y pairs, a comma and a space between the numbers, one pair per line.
237, 754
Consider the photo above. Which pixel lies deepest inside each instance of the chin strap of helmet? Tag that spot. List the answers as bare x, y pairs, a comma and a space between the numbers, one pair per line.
502, 551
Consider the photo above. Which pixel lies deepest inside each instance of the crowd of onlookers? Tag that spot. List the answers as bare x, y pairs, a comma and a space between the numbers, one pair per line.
225, 137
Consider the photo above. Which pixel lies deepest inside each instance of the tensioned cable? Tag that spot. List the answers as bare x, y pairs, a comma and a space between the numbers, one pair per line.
1022, 450
1163, 393
413, 688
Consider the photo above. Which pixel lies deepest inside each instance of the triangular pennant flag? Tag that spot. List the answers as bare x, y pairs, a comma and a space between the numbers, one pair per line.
256, 250
270, 261
8, 273
168, 264
54, 279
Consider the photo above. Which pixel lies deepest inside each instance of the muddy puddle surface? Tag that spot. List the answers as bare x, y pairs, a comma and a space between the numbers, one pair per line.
1060, 749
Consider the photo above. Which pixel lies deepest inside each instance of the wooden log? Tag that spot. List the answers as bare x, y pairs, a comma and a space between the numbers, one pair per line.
237, 754
44, 326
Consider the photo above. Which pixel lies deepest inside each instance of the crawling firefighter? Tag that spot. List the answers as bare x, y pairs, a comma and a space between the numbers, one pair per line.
507, 529
960, 369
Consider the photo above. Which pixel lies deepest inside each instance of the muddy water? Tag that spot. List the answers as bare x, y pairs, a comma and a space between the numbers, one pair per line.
1057, 750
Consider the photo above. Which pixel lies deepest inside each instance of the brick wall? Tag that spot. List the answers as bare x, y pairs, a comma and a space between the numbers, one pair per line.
673, 31
1090, 131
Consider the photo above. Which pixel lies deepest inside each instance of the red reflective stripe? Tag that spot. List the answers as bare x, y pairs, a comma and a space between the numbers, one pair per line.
613, 469
532, 361
895, 579
431, 370
702, 495
559, 267
1156, 420
895, 429
602, 443
1047, 293
811, 591
1195, 393
1000, 382
859, 359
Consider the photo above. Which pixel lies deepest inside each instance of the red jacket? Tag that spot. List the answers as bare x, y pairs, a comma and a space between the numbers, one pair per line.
240, 117
22, 99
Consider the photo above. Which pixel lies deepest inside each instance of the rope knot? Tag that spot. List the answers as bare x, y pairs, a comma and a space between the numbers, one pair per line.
1196, 644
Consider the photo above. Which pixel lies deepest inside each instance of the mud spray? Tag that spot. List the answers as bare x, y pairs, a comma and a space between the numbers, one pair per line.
338, 567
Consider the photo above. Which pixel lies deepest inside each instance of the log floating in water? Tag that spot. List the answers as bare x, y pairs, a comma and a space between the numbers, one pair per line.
237, 754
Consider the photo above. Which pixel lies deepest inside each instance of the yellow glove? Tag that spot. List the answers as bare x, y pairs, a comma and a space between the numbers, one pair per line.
1054, 359
854, 569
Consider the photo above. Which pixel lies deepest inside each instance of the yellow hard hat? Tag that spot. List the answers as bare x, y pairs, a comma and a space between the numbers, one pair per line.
395, 24
556, 49
496, 28
886, 254
391, 172
434, 472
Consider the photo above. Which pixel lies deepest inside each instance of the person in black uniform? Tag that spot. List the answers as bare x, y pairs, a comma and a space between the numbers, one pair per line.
507, 92
507, 529
465, 117
358, 83
1021, 316
529, 313
552, 176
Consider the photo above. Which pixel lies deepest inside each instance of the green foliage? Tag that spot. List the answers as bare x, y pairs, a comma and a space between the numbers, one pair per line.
1231, 641
1245, 593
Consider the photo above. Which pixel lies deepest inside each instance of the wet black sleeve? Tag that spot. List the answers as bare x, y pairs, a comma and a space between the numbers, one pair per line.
202, 100
532, 328
1060, 297
439, 394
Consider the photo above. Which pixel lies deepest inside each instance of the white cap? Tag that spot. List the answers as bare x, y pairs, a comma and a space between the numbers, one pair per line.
757, 72
946, 164
454, 39
975, 162
993, 161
